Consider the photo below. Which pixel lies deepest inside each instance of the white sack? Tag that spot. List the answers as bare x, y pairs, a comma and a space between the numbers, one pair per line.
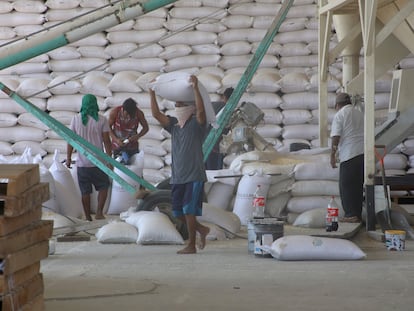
121, 199
66, 193
303, 247
305, 203
224, 219
5, 148
276, 206
220, 195
154, 228
7, 119
175, 86
18, 133
117, 232
62, 85
243, 204
315, 187
316, 170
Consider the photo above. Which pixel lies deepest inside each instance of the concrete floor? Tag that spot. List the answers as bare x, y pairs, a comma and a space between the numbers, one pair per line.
224, 276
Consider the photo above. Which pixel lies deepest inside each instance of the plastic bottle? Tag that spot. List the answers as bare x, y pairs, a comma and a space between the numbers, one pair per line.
259, 202
332, 214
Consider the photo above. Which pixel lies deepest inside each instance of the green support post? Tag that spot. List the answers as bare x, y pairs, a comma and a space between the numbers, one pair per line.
224, 118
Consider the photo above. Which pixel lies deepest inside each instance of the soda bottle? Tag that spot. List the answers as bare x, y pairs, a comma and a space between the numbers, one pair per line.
259, 202
332, 214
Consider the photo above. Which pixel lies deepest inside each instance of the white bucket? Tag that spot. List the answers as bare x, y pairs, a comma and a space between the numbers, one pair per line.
263, 232
395, 240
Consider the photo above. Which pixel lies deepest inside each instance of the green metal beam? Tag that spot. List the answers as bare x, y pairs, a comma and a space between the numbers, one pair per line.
224, 118
94, 154
75, 29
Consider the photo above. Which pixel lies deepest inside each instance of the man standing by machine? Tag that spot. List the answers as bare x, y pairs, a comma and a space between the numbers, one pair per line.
347, 138
215, 158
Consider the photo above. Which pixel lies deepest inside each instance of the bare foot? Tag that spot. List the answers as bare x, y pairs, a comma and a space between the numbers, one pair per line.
187, 250
88, 217
99, 216
204, 231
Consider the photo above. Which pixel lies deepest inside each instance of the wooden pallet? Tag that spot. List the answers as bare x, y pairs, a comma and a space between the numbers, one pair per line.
35, 233
7, 283
12, 224
25, 257
31, 198
24, 237
17, 178
24, 295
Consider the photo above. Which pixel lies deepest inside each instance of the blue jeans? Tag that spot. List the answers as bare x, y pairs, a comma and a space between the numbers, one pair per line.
125, 155
214, 161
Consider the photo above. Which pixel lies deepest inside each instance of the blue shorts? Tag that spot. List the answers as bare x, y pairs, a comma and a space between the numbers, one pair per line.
88, 176
187, 199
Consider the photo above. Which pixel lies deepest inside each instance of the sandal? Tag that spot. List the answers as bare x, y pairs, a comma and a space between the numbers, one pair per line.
351, 219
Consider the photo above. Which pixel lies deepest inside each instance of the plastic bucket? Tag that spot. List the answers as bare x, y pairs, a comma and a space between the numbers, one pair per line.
395, 240
263, 232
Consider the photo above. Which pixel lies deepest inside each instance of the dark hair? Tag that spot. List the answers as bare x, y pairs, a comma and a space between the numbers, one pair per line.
343, 99
130, 106
227, 93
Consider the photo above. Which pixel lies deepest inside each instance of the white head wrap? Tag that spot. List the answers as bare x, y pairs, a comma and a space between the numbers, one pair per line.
184, 113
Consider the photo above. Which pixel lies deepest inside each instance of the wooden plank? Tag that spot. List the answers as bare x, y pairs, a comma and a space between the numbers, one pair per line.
24, 294
73, 238
17, 178
25, 257
37, 304
36, 232
10, 225
74, 228
14, 206
7, 283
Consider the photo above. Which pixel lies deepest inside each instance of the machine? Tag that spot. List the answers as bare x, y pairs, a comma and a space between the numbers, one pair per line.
242, 136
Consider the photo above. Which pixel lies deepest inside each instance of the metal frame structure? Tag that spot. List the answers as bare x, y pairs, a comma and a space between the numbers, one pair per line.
386, 27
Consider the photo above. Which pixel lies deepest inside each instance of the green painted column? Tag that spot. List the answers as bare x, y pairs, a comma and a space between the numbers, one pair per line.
224, 118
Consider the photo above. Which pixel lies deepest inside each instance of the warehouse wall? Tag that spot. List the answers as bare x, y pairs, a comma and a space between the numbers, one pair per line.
219, 40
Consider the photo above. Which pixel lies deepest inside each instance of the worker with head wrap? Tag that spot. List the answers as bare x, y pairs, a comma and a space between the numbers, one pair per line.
124, 122
187, 129
94, 128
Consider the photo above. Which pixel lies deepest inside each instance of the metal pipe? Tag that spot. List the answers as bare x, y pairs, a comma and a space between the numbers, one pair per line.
74, 30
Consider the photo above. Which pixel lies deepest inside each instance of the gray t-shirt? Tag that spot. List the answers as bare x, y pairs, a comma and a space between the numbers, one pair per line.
92, 132
187, 151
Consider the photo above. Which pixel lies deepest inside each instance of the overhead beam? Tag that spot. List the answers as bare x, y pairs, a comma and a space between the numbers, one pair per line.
395, 21
388, 53
75, 29
335, 5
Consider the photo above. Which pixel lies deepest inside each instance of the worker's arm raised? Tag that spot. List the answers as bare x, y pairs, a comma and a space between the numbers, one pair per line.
199, 103
155, 110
